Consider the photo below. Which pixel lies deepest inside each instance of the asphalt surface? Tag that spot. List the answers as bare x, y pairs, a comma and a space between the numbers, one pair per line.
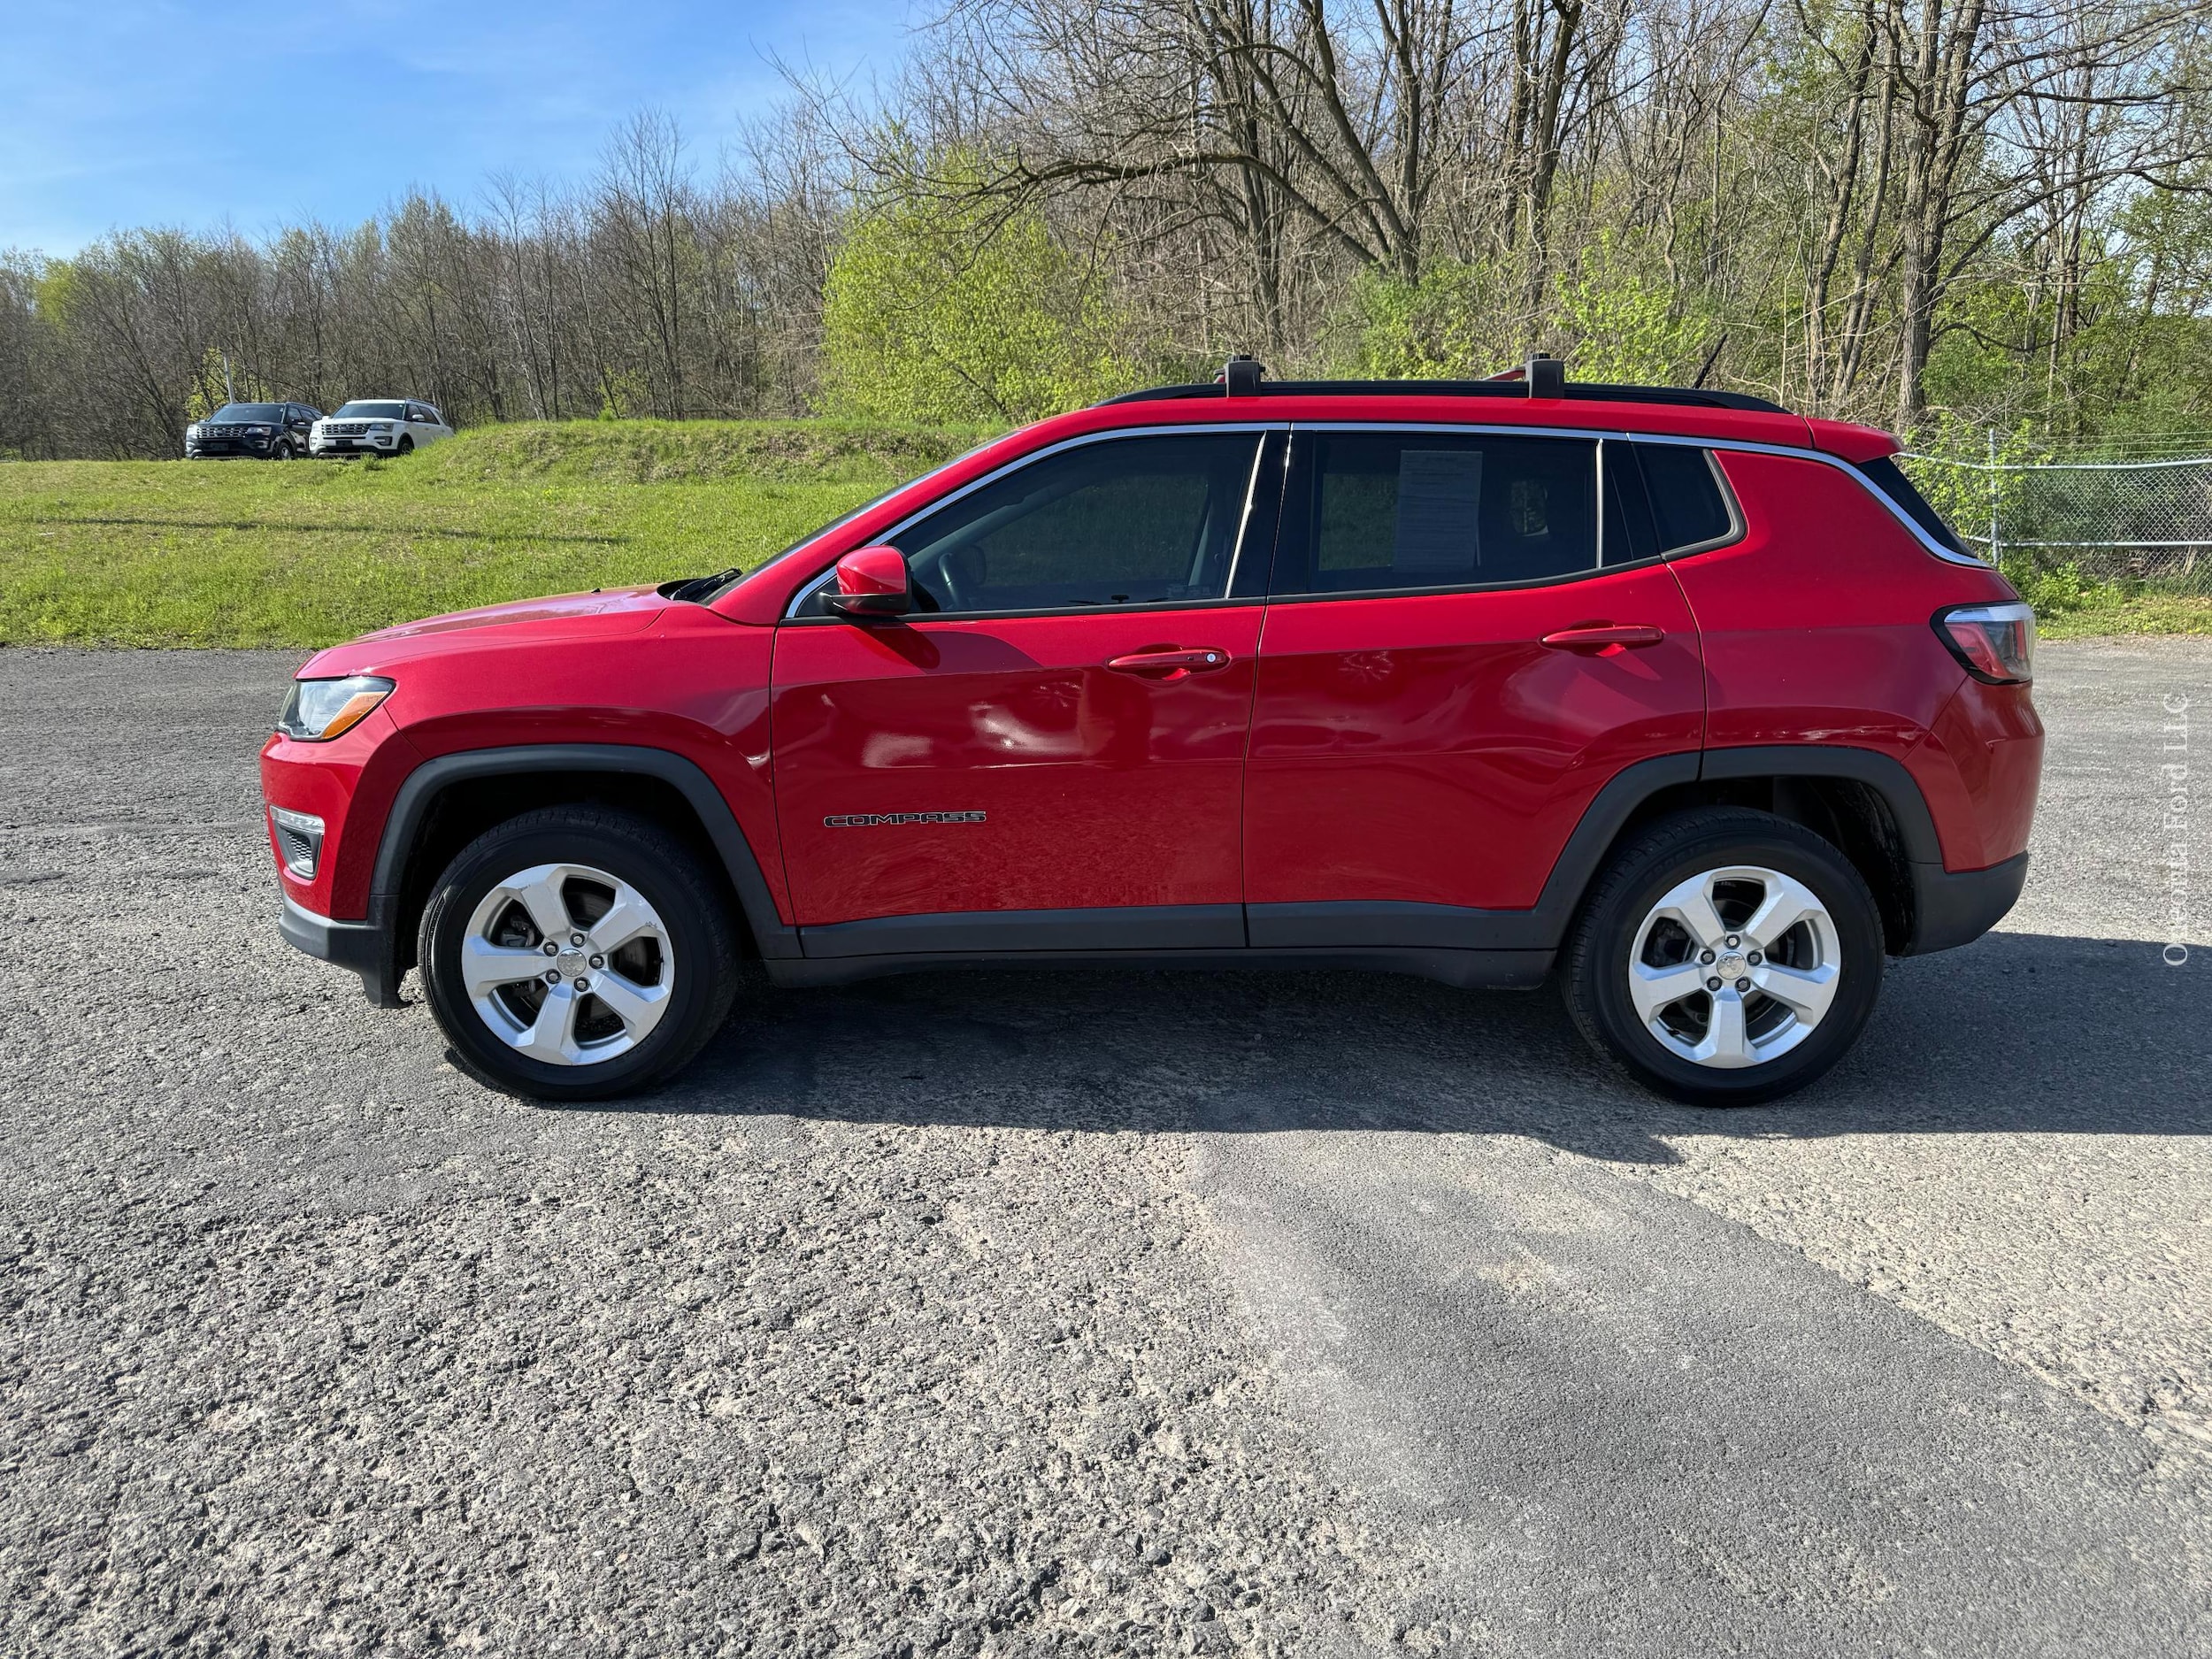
1083, 1313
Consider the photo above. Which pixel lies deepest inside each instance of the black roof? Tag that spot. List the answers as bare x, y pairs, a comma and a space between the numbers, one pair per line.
1577, 391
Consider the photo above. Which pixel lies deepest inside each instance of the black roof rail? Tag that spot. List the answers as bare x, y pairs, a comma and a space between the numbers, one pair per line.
1543, 377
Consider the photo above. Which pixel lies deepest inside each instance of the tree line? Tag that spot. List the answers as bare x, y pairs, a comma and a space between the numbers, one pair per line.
1933, 215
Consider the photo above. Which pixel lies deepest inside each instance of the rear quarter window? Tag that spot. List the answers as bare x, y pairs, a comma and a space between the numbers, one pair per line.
1886, 476
1688, 507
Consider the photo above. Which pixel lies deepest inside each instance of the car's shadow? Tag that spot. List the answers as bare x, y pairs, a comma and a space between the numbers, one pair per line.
2017, 1033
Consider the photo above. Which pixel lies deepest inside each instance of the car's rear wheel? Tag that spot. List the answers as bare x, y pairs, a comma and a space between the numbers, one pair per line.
576, 953
1725, 956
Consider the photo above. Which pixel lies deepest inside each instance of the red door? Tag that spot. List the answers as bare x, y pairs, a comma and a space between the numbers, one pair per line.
1015, 769
1435, 748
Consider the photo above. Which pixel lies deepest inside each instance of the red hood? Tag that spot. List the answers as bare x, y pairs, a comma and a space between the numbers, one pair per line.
566, 616
644, 600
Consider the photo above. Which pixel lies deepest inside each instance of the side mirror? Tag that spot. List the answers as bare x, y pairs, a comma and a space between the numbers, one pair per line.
873, 581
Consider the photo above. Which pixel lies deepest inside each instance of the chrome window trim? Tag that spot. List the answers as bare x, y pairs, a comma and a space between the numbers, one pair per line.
1259, 428
1745, 446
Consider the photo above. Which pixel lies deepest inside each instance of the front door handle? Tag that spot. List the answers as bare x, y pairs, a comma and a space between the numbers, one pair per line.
1171, 663
1604, 636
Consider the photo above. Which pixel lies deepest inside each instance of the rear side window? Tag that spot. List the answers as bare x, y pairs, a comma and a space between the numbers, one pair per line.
1375, 513
1687, 507
1887, 477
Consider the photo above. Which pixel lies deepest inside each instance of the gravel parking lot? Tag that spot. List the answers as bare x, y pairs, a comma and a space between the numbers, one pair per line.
1097, 1313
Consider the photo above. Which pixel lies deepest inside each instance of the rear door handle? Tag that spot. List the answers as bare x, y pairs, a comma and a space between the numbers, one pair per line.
1170, 663
1604, 636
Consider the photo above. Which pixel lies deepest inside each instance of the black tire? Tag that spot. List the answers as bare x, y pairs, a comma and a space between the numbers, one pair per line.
1595, 970
703, 943
406, 445
282, 452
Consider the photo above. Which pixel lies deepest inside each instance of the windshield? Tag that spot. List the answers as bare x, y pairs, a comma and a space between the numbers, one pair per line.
248, 411
372, 411
730, 578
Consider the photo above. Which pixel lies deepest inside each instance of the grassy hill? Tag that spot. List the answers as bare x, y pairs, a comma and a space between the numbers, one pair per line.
251, 554
242, 553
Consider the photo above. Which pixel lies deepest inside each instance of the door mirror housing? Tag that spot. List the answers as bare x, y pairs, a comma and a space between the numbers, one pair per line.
873, 581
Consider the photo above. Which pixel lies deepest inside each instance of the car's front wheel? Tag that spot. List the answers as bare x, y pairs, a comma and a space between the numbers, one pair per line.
576, 953
1725, 956
406, 445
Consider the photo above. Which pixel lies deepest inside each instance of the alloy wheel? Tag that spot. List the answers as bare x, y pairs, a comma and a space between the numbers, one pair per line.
1735, 966
567, 964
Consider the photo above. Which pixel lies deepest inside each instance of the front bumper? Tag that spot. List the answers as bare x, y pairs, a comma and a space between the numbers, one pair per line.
363, 948
224, 452
352, 446
1953, 908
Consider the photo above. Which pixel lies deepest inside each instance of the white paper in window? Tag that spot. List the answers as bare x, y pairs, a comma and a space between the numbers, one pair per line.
1440, 514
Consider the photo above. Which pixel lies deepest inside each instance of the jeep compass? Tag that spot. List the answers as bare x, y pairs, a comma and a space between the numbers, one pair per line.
1682, 702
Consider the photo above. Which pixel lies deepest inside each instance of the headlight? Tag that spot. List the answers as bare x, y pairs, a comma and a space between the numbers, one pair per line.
259, 431
192, 431
319, 710
379, 426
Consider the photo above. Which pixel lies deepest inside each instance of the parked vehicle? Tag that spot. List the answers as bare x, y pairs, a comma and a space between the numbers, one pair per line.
378, 425
257, 432
1685, 704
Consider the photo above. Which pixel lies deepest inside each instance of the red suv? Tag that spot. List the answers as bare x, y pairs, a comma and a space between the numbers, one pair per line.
1686, 701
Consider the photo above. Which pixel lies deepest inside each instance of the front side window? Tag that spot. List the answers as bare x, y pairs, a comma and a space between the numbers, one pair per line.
1397, 510
1127, 521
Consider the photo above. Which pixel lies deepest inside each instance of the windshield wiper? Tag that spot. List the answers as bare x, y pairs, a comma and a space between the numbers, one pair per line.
694, 589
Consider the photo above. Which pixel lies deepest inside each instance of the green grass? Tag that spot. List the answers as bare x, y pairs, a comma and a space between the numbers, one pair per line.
146, 553
2115, 611
168, 553
2071, 606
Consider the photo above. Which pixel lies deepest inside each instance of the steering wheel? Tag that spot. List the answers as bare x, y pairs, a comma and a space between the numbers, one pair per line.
947, 572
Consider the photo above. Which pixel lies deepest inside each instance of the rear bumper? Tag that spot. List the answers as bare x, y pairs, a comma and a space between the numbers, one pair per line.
1952, 908
364, 948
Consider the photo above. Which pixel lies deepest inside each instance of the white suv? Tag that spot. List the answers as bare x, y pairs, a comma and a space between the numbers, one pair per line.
383, 426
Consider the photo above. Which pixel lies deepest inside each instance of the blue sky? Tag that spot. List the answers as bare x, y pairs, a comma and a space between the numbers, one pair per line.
116, 113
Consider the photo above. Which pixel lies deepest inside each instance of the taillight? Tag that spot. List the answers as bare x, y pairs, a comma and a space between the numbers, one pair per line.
1995, 643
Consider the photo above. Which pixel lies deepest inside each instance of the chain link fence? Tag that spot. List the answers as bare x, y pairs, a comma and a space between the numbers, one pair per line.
2145, 523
